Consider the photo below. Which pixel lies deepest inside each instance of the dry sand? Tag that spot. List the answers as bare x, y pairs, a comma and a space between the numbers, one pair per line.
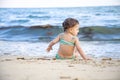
33, 68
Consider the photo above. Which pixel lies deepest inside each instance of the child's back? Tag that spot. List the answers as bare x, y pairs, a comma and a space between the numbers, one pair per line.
67, 45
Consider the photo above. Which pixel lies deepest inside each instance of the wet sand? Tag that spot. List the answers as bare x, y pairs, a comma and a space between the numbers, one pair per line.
36, 68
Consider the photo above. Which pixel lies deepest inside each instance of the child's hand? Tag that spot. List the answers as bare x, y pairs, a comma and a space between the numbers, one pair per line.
48, 49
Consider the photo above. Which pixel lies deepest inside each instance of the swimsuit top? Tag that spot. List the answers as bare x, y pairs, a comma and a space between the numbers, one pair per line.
62, 41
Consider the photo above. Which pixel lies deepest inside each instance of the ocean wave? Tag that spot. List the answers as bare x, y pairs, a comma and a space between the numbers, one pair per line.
48, 32
19, 21
34, 16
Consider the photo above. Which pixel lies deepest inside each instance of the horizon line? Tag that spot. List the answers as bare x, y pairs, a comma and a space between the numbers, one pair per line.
56, 6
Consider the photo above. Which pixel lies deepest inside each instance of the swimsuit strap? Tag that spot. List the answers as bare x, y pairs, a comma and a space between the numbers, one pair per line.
62, 41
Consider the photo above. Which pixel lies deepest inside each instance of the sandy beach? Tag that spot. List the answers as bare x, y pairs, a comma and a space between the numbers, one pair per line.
35, 68
26, 33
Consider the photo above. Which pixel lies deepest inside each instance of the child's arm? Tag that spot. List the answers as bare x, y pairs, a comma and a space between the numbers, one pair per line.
54, 41
77, 43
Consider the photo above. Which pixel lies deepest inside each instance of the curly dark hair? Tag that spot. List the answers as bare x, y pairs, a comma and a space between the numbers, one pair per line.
69, 22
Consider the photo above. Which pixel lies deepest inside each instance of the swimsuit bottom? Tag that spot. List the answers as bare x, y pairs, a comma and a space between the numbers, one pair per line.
59, 57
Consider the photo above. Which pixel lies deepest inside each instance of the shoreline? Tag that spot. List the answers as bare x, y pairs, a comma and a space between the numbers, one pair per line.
97, 49
36, 68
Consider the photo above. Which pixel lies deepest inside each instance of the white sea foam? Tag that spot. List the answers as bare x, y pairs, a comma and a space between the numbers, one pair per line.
94, 48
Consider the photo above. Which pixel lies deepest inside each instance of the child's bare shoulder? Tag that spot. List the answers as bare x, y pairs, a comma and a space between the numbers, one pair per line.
61, 34
74, 37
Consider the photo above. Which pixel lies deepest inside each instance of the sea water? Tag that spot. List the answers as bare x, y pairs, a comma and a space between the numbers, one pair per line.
99, 30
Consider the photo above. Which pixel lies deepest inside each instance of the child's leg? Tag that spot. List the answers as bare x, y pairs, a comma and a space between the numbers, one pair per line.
76, 53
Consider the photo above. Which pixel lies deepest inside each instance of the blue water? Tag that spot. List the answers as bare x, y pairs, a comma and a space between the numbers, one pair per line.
104, 21
88, 16
22, 32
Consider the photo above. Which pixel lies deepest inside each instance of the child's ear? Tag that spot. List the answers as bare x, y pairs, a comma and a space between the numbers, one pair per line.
71, 29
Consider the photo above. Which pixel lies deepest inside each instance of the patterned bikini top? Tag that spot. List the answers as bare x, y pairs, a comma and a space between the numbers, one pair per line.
63, 41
